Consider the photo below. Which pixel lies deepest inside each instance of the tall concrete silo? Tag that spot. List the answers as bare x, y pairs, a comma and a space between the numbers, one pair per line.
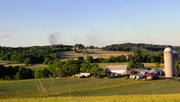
168, 62
175, 57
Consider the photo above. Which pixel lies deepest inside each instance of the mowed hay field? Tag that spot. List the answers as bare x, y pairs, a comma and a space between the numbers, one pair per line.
92, 89
151, 65
11, 63
33, 67
97, 52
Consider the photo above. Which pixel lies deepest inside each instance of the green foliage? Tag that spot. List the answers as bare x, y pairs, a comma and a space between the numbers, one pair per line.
38, 74
88, 87
78, 46
10, 73
71, 67
132, 64
132, 46
136, 60
157, 64
27, 61
18, 76
32, 55
176, 67
89, 59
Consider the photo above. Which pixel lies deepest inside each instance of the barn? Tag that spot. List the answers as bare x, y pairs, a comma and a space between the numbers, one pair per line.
117, 69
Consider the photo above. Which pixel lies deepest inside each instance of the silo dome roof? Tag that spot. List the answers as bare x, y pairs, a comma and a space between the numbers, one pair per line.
167, 49
174, 52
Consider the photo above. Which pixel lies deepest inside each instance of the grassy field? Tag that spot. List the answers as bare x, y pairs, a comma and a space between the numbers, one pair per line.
97, 52
114, 98
33, 67
11, 63
88, 87
151, 65
41, 66
36, 66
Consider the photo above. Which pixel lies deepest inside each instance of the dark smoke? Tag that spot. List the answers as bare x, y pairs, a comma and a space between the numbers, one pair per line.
95, 40
53, 38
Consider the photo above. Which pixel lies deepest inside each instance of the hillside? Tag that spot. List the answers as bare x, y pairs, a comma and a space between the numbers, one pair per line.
92, 52
133, 46
85, 87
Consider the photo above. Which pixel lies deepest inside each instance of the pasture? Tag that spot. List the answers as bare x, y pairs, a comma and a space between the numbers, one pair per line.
87, 87
13, 64
36, 66
151, 65
96, 52
41, 66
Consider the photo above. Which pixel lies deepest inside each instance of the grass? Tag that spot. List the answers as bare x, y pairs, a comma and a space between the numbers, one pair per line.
88, 87
97, 52
103, 65
114, 98
41, 66
11, 63
151, 65
33, 67
37, 66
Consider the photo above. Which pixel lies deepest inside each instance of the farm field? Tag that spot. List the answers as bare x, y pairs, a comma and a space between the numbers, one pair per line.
87, 87
37, 66
41, 66
151, 65
97, 52
114, 98
11, 63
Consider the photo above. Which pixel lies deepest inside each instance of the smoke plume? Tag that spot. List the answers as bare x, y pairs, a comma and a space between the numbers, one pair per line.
54, 38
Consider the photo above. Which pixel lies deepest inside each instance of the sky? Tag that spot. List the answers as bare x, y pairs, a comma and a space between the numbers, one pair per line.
89, 22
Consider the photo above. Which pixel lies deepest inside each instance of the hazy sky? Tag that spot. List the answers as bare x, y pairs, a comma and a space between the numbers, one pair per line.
89, 22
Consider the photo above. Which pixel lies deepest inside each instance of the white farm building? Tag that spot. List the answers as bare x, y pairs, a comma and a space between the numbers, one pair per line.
118, 69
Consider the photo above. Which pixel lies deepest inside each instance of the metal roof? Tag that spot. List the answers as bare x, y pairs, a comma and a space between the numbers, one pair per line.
117, 67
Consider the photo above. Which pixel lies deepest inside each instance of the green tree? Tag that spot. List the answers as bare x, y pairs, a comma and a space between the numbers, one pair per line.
157, 64
132, 64
45, 73
38, 74
71, 67
18, 76
89, 59
176, 67
27, 61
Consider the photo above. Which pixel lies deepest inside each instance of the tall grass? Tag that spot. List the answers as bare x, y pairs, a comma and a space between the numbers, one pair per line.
114, 98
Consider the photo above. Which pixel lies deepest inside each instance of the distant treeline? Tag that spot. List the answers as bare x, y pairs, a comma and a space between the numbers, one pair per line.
34, 54
133, 46
55, 69
15, 73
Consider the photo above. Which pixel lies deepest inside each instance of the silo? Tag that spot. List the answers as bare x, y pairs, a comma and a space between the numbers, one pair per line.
175, 57
168, 62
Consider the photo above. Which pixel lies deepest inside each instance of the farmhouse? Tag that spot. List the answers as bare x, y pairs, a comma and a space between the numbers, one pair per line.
117, 69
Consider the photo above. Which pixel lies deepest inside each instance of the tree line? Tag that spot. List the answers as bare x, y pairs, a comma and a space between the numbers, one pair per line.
69, 68
15, 73
33, 55
56, 69
133, 46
